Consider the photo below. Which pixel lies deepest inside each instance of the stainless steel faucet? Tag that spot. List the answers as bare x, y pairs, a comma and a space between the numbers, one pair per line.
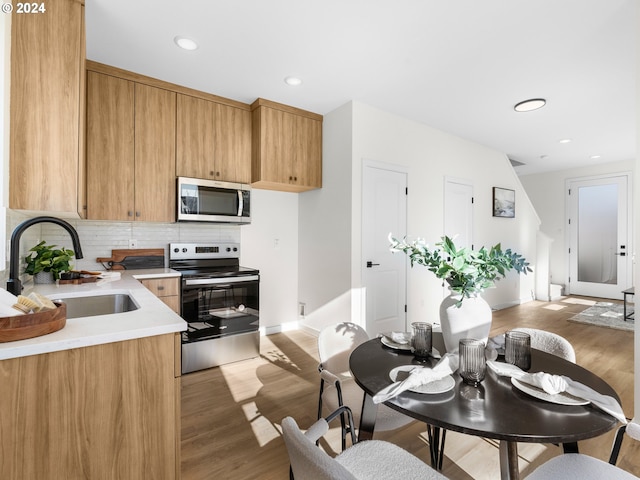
13, 284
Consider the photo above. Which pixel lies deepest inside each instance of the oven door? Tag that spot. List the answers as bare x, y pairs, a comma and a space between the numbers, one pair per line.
220, 307
210, 201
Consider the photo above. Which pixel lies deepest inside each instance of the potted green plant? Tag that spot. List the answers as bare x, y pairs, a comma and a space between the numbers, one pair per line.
467, 273
49, 259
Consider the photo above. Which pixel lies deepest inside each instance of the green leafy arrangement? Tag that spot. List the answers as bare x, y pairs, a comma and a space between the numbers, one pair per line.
48, 258
467, 272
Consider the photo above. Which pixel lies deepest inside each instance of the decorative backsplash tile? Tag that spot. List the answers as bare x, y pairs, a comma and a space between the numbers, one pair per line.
98, 238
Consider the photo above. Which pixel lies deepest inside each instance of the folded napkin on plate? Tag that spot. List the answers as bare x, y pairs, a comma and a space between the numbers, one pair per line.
401, 338
419, 376
554, 384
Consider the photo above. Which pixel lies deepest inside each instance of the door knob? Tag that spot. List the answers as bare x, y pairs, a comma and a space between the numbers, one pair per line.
371, 264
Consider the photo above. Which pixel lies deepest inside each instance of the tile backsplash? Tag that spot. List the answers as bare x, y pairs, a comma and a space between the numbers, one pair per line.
98, 238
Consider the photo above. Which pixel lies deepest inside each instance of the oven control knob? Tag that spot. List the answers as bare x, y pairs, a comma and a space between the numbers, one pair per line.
184, 250
228, 249
176, 250
235, 249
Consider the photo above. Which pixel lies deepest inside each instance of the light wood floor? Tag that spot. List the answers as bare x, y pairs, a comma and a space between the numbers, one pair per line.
231, 415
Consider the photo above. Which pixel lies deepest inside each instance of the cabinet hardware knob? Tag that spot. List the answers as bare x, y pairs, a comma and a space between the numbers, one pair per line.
137, 214
160, 287
129, 213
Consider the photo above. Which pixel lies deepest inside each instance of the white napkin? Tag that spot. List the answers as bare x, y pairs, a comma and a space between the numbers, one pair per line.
401, 338
419, 376
554, 384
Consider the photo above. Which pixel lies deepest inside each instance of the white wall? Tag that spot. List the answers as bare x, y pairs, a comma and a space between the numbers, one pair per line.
429, 155
547, 192
270, 243
326, 225
636, 224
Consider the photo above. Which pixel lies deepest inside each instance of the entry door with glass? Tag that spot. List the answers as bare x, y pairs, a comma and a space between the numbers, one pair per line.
599, 232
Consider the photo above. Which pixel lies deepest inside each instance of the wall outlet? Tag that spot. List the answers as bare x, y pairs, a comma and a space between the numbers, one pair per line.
133, 243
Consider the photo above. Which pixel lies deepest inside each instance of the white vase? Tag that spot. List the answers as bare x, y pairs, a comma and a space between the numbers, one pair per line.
471, 320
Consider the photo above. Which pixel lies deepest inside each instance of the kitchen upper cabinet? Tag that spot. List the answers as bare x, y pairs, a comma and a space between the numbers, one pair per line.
47, 109
130, 150
286, 147
213, 140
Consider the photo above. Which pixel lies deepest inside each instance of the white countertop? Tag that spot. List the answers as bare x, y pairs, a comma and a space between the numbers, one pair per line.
152, 318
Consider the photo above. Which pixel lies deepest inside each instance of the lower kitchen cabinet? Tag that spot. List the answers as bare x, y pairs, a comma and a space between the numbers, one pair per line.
105, 411
166, 289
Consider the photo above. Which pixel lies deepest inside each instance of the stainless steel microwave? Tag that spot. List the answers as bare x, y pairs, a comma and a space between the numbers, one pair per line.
202, 200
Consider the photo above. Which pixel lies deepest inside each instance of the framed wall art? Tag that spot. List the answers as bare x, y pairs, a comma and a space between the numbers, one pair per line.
504, 202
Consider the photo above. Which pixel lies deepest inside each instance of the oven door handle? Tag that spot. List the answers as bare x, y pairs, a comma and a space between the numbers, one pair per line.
218, 281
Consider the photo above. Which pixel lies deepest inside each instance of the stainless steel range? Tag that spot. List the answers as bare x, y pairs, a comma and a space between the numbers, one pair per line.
220, 302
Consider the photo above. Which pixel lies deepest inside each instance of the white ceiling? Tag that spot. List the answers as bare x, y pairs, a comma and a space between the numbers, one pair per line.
456, 65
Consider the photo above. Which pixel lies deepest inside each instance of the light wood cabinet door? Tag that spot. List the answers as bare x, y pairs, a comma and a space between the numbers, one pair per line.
155, 154
110, 148
106, 411
166, 289
46, 116
233, 143
213, 141
286, 149
195, 138
130, 150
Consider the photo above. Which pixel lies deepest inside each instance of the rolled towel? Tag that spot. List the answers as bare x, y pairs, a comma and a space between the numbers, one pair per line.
7, 300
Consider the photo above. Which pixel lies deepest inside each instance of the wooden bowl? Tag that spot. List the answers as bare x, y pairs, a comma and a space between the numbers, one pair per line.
33, 324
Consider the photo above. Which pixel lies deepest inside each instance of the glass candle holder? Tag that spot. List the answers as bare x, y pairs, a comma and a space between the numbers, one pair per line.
517, 349
421, 339
473, 366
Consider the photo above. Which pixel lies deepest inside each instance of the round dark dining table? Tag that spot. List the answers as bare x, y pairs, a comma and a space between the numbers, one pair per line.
494, 409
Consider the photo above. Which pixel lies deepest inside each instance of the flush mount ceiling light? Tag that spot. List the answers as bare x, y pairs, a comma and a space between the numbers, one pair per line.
565, 140
293, 81
185, 43
595, 157
529, 105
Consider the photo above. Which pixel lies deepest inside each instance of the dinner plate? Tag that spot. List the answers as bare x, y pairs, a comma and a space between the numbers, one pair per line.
439, 386
561, 398
391, 344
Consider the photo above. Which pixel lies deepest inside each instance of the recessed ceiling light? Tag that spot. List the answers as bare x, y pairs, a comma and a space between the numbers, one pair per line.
529, 105
595, 157
565, 140
293, 81
186, 43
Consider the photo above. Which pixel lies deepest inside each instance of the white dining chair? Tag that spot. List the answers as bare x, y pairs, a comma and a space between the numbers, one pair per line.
550, 342
585, 467
369, 459
337, 386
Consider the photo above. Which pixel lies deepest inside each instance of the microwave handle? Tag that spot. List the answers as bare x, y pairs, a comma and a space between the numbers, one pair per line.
240, 203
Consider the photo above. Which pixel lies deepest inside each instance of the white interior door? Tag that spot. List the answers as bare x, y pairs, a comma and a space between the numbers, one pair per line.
384, 275
458, 211
458, 214
600, 250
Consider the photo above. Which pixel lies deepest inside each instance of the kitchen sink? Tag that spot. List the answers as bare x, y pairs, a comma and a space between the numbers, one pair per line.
92, 305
